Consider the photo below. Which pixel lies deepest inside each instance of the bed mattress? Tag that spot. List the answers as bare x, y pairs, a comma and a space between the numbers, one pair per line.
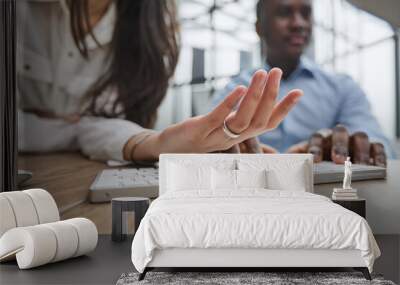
251, 219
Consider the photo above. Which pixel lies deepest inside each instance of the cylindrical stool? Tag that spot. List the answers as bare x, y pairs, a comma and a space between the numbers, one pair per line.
138, 205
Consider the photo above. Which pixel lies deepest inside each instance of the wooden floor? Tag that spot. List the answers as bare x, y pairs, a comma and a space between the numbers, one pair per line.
68, 176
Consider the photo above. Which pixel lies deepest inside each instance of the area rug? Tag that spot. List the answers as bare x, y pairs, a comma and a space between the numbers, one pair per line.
268, 278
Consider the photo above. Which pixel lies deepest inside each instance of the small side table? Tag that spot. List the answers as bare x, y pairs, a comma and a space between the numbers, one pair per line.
358, 206
120, 206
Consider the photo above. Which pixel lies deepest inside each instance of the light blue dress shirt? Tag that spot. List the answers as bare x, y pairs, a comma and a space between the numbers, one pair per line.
328, 99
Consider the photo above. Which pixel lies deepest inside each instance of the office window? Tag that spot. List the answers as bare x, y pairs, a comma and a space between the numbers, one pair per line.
351, 41
222, 34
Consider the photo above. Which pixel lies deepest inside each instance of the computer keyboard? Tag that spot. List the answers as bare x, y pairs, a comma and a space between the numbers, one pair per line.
143, 182
110, 183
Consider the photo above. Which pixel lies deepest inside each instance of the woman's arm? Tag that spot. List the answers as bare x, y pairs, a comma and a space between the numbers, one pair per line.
44, 134
104, 138
257, 113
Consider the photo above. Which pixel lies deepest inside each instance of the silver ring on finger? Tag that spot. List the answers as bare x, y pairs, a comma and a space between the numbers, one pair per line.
228, 132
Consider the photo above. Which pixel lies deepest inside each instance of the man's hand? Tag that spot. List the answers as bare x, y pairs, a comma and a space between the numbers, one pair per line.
336, 144
301, 147
251, 145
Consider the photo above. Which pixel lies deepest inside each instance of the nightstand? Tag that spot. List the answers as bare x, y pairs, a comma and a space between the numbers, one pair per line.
123, 205
358, 206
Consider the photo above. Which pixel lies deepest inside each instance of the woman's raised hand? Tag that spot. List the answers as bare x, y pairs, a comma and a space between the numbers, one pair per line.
257, 112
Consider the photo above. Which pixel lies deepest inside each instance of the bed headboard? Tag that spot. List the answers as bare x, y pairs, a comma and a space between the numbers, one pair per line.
289, 162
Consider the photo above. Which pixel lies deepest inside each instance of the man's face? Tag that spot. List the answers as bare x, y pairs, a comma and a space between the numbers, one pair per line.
286, 27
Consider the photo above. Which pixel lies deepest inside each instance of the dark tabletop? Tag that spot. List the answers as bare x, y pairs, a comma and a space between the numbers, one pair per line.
102, 266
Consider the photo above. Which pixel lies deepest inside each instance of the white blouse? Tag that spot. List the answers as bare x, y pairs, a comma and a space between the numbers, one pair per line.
53, 76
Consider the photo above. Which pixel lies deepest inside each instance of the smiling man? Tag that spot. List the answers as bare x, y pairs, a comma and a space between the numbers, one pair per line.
285, 27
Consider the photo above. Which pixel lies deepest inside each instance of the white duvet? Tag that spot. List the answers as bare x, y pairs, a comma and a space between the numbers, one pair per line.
250, 219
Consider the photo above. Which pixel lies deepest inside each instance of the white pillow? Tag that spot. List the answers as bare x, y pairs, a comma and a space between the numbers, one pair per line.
182, 177
187, 174
236, 179
251, 178
282, 174
283, 180
223, 179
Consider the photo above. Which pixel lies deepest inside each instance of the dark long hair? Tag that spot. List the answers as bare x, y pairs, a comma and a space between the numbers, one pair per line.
143, 55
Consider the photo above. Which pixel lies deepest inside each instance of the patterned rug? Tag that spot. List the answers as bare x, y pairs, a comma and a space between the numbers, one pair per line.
268, 278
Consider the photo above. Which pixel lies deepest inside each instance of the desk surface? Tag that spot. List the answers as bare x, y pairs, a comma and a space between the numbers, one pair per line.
68, 176
58, 172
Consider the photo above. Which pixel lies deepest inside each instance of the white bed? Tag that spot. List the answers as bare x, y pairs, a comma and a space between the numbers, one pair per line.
198, 223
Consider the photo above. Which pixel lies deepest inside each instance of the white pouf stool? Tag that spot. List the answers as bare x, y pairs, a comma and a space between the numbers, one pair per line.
31, 231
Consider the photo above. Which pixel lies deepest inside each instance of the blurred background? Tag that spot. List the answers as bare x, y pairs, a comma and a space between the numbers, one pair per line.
358, 38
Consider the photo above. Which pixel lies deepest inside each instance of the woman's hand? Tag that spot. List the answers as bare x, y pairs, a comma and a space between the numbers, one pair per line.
257, 112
